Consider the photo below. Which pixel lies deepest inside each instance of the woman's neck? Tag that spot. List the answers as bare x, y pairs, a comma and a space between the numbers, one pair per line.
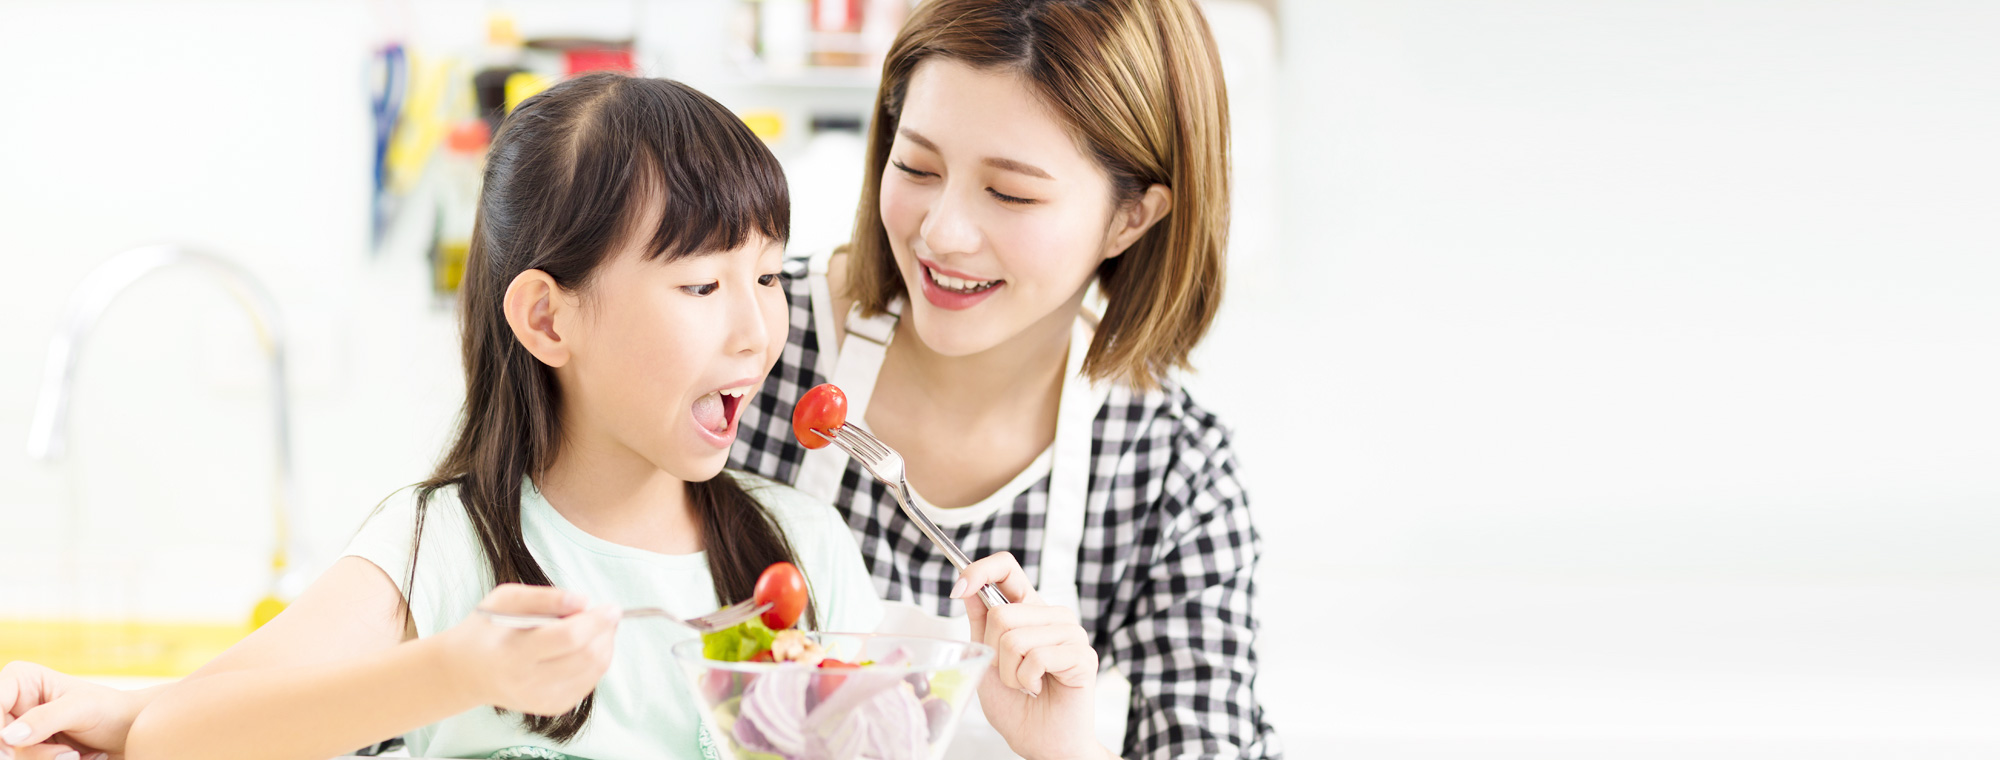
612, 493
1023, 371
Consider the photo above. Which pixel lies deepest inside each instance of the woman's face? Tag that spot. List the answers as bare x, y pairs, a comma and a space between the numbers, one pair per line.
997, 218
668, 355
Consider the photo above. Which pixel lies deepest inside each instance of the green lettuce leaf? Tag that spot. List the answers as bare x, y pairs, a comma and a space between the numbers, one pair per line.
738, 643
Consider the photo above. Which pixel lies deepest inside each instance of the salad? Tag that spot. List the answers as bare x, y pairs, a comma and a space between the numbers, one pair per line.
814, 705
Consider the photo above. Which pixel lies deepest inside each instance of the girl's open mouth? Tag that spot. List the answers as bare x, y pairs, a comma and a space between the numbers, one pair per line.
717, 412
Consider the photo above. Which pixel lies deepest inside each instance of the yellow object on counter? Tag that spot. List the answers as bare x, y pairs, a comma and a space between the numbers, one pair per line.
128, 648
522, 85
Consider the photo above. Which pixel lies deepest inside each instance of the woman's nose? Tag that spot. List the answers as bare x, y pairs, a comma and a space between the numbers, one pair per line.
949, 226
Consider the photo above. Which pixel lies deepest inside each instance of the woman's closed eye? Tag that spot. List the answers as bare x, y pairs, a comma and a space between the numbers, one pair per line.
1005, 198
912, 172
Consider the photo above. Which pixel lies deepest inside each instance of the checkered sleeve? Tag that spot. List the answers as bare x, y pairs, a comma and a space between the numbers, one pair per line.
1186, 644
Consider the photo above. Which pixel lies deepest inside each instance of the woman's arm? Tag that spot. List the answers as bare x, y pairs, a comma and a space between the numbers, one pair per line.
1187, 646
335, 672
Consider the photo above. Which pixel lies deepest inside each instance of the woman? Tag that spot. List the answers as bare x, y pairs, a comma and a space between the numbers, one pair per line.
1020, 151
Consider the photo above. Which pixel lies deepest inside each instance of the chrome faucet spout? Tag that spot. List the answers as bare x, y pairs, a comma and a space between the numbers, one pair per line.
47, 435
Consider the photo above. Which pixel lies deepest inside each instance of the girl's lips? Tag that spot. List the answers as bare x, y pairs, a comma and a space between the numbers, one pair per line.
950, 299
732, 411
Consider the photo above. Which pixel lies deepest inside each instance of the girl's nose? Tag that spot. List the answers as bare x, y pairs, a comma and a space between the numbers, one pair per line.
748, 335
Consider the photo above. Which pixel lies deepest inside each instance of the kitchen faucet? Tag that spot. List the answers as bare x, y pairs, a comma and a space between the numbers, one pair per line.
47, 437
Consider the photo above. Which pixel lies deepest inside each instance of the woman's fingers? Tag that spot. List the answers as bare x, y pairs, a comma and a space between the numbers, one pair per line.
1000, 570
1018, 647
1071, 662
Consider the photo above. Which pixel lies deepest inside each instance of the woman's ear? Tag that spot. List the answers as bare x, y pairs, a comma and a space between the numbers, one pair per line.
1136, 217
534, 305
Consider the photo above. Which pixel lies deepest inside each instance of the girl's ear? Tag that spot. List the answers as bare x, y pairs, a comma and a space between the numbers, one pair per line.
1135, 218
534, 305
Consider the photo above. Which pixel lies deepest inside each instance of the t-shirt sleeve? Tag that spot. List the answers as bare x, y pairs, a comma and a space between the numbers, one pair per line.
448, 562
385, 538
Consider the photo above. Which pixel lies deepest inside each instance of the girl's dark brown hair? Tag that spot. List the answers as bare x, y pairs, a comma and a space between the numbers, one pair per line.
1139, 86
569, 179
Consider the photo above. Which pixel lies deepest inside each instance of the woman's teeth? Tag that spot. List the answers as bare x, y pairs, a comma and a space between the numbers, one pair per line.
957, 285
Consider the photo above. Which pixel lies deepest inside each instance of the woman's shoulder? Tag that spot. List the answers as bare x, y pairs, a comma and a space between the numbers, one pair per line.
1166, 416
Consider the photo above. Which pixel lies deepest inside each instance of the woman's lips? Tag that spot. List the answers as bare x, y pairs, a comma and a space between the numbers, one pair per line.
946, 298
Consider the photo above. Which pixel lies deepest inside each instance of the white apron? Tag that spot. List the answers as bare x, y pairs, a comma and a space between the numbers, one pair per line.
854, 368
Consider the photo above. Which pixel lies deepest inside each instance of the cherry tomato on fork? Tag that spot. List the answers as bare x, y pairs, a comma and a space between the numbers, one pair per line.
822, 408
782, 586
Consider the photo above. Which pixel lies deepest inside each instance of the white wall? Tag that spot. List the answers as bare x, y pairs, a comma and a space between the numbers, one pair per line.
1625, 386
1613, 379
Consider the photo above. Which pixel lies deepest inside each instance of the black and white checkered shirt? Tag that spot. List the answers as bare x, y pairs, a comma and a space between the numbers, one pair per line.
1164, 572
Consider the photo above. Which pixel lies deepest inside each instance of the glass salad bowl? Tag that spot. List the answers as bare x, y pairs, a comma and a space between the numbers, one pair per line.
900, 703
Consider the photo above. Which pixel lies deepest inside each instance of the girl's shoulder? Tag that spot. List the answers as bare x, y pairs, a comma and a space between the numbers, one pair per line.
841, 586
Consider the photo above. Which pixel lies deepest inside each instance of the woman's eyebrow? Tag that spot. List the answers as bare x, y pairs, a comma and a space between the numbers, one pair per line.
997, 163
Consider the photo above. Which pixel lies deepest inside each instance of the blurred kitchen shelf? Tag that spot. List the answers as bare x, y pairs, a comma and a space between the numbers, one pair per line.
855, 78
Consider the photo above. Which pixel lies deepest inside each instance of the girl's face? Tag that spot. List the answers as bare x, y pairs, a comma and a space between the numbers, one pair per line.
667, 355
997, 218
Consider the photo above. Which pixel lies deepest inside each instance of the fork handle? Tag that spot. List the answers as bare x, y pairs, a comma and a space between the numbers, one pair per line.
989, 593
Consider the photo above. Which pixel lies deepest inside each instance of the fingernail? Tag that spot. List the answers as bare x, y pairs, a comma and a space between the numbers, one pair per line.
70, 755
1030, 694
958, 589
100, 756
15, 734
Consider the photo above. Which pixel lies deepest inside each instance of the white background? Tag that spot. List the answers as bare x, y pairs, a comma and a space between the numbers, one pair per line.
1612, 379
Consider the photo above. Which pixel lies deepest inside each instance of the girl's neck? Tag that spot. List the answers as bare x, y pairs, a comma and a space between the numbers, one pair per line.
611, 492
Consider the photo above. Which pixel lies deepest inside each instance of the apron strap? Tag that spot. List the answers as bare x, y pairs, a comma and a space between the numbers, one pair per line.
854, 368
1069, 476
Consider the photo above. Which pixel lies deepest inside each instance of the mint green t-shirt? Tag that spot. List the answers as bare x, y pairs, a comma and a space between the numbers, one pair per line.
644, 705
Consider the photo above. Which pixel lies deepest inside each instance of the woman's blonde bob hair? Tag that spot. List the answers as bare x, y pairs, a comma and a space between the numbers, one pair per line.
1139, 86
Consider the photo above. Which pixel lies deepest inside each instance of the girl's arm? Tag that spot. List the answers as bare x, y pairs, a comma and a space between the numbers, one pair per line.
335, 672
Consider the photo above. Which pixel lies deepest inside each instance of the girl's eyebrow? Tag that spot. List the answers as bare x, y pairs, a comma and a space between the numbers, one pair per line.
997, 163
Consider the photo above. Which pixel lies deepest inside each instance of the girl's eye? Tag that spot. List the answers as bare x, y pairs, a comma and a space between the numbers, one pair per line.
907, 170
769, 280
700, 290
1005, 198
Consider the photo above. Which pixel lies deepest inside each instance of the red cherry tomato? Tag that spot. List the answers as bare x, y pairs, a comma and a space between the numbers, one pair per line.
822, 408
782, 586
825, 683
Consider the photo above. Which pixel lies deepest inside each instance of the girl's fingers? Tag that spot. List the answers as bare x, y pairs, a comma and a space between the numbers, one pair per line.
574, 633
520, 599
21, 684
51, 751
44, 721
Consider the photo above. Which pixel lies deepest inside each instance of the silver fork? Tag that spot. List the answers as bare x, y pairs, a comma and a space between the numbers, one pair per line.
709, 623
887, 466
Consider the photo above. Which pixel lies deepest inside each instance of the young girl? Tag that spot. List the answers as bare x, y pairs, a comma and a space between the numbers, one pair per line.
621, 304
